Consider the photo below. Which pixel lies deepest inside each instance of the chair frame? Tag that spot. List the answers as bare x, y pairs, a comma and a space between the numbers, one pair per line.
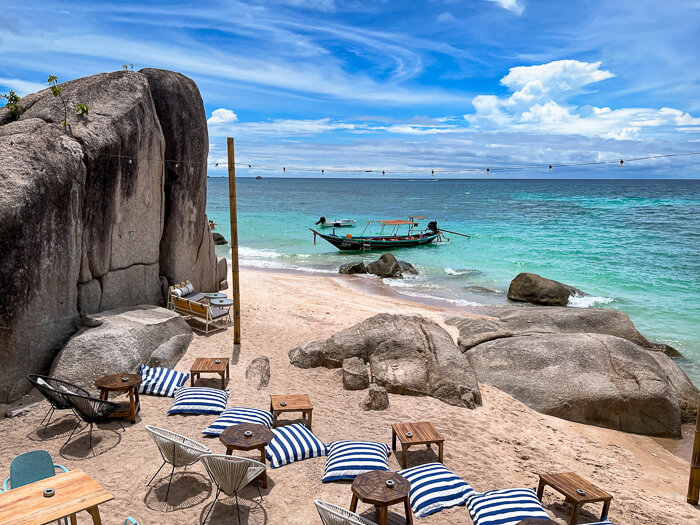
54, 396
78, 414
339, 515
190, 450
245, 479
201, 312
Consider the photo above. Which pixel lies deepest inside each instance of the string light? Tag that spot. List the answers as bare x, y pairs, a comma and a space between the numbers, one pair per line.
550, 168
622, 162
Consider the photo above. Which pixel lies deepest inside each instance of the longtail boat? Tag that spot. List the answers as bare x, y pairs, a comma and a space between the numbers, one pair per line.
385, 240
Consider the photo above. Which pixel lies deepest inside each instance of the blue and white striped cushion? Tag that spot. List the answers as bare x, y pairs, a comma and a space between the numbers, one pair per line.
293, 443
434, 487
160, 381
505, 507
348, 459
199, 400
604, 522
236, 416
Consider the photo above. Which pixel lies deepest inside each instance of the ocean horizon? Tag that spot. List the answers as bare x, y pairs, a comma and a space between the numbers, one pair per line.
631, 245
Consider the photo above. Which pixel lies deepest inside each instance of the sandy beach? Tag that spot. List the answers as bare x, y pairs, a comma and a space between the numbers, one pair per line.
500, 445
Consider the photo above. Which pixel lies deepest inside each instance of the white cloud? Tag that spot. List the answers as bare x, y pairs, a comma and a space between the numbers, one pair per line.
446, 18
21, 87
511, 5
222, 116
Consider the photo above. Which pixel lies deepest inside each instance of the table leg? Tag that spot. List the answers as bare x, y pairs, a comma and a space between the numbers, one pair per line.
95, 513
393, 439
606, 508
409, 514
353, 503
440, 452
73, 519
223, 384
574, 514
309, 417
264, 472
138, 400
132, 405
540, 489
383, 515
104, 394
228, 373
404, 448
192, 376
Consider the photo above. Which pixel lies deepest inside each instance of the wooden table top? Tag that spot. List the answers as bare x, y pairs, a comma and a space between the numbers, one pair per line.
294, 402
209, 364
234, 436
371, 487
75, 491
423, 432
568, 482
114, 382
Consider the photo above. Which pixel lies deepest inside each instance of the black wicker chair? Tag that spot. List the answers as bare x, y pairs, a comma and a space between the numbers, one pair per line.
54, 394
91, 410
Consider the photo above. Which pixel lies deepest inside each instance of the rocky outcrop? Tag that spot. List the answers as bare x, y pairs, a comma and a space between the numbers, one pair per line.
589, 365
355, 374
532, 288
124, 339
83, 213
407, 355
407, 268
385, 266
589, 378
219, 240
354, 267
186, 246
258, 372
376, 399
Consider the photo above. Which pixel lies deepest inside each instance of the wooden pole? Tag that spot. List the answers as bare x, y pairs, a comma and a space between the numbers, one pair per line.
234, 243
694, 483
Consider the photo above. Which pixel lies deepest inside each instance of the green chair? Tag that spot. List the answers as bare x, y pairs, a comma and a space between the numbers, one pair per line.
30, 467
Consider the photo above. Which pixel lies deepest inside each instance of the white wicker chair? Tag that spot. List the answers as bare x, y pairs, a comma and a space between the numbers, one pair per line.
231, 474
335, 515
175, 449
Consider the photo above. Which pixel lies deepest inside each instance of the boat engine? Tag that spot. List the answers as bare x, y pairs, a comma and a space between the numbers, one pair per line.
322, 220
433, 227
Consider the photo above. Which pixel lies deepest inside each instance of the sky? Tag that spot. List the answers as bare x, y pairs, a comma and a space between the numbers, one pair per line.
407, 88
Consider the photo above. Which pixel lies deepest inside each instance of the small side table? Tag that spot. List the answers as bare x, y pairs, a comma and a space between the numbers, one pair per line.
214, 295
292, 403
420, 434
209, 365
234, 438
568, 484
371, 488
115, 383
223, 303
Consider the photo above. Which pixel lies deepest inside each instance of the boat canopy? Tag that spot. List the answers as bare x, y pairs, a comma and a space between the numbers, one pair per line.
397, 222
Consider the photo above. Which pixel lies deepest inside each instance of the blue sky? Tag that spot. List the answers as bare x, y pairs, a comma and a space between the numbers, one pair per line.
404, 87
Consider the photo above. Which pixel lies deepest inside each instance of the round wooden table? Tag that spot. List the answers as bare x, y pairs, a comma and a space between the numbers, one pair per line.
234, 438
371, 488
114, 383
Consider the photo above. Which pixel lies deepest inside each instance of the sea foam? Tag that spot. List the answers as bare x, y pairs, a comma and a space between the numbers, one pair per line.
588, 301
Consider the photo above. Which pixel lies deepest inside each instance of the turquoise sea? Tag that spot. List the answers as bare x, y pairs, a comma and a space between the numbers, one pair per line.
633, 245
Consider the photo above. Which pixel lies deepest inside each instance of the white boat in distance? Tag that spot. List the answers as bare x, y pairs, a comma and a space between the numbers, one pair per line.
336, 223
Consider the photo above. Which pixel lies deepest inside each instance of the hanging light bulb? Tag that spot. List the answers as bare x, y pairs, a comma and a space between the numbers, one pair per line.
284, 170
129, 161
216, 165
177, 164
383, 173
622, 163
323, 172
249, 166
488, 171
550, 168
432, 173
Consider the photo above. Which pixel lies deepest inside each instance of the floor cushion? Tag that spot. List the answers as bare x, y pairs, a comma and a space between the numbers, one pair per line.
505, 507
434, 487
293, 443
349, 459
199, 400
236, 416
160, 381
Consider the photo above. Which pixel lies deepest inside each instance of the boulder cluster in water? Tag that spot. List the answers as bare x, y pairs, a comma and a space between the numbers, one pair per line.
387, 266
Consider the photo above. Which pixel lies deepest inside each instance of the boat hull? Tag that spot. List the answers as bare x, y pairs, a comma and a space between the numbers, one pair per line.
377, 242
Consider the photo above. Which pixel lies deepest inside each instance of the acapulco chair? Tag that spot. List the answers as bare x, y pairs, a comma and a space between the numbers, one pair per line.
335, 515
52, 389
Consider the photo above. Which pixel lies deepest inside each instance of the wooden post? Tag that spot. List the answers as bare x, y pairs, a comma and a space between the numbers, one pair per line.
234, 243
694, 483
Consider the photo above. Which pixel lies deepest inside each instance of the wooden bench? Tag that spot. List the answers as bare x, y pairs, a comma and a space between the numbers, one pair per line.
200, 312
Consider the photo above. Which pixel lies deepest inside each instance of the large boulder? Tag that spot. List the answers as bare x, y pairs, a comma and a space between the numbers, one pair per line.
589, 378
386, 266
124, 339
353, 267
509, 321
532, 288
83, 212
258, 372
355, 374
376, 399
186, 246
408, 268
219, 240
407, 355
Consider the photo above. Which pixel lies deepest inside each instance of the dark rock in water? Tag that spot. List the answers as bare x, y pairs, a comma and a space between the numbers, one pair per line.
377, 399
532, 288
386, 266
407, 355
355, 374
351, 268
113, 215
589, 378
258, 372
408, 268
218, 238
